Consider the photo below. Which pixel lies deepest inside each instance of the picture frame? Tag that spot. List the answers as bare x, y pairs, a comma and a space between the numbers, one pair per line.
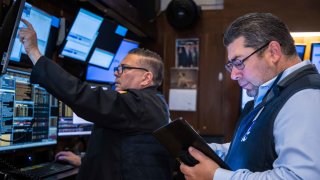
187, 53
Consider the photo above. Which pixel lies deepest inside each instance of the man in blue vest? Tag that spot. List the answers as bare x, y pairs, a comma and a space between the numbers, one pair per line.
278, 138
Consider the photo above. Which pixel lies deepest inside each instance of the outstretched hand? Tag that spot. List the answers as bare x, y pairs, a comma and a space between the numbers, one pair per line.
28, 38
204, 170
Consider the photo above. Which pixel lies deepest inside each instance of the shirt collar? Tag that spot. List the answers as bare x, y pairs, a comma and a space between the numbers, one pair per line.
267, 85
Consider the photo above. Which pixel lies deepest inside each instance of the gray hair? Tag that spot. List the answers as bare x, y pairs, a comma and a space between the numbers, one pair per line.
151, 61
259, 29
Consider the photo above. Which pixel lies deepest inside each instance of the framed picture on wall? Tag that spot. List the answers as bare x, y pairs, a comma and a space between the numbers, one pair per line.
187, 53
183, 78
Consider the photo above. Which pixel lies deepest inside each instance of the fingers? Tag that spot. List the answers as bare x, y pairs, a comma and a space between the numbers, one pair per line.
25, 32
187, 172
62, 155
184, 169
29, 25
198, 155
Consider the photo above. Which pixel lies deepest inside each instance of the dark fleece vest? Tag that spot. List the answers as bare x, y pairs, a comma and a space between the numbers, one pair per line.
253, 144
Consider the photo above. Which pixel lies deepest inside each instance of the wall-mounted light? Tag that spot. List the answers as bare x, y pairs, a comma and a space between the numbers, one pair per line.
304, 34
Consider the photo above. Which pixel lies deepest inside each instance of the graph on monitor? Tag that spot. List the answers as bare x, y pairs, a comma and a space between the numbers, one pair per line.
26, 120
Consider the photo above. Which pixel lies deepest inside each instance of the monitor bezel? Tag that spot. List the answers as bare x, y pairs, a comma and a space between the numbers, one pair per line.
312, 49
6, 55
304, 49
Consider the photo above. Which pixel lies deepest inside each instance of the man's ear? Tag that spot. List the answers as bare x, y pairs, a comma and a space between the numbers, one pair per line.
275, 51
147, 79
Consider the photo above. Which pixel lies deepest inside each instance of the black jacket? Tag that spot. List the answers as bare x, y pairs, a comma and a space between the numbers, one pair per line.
121, 145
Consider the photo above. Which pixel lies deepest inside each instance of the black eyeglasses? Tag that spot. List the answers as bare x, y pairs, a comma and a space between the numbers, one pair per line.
238, 63
121, 68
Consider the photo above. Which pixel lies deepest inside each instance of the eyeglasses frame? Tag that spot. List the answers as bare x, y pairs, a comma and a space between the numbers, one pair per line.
240, 63
123, 67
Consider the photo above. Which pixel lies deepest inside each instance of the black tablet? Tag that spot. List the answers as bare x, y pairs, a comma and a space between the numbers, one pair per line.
178, 136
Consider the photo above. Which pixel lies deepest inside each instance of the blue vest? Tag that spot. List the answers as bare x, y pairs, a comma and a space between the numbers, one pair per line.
253, 145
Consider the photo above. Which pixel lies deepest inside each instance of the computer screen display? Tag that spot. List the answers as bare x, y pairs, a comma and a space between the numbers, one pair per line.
41, 22
74, 126
122, 31
96, 74
25, 119
301, 50
101, 58
315, 55
8, 31
125, 46
82, 35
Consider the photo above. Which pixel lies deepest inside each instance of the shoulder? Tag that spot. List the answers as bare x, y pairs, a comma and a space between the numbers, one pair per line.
301, 108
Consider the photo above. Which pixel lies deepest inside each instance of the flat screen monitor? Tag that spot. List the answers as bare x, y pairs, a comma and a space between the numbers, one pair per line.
122, 31
315, 54
96, 74
74, 126
25, 119
8, 31
301, 48
82, 36
125, 46
101, 58
41, 22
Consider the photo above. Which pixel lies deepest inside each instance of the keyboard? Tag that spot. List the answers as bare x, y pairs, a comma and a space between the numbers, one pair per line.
47, 169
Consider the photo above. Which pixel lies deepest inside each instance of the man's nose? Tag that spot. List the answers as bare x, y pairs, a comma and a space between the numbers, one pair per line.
116, 73
235, 73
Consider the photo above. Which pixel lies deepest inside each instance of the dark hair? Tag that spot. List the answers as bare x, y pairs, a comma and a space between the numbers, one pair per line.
151, 61
259, 29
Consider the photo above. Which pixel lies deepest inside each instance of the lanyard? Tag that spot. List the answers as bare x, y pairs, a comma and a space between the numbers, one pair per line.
247, 124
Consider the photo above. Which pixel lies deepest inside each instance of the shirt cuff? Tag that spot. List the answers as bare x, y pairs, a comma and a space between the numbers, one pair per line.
222, 174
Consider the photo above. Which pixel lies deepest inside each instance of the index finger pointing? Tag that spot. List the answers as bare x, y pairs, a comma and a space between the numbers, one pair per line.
29, 25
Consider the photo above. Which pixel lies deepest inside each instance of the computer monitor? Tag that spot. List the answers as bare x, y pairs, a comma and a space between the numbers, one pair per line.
8, 31
122, 31
41, 22
315, 54
125, 46
74, 126
301, 48
82, 36
101, 58
96, 74
25, 120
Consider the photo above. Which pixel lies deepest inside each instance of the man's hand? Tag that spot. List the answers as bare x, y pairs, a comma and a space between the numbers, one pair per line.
69, 157
28, 38
204, 170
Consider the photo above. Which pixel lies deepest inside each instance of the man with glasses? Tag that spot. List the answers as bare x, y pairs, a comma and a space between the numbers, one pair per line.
277, 138
121, 146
